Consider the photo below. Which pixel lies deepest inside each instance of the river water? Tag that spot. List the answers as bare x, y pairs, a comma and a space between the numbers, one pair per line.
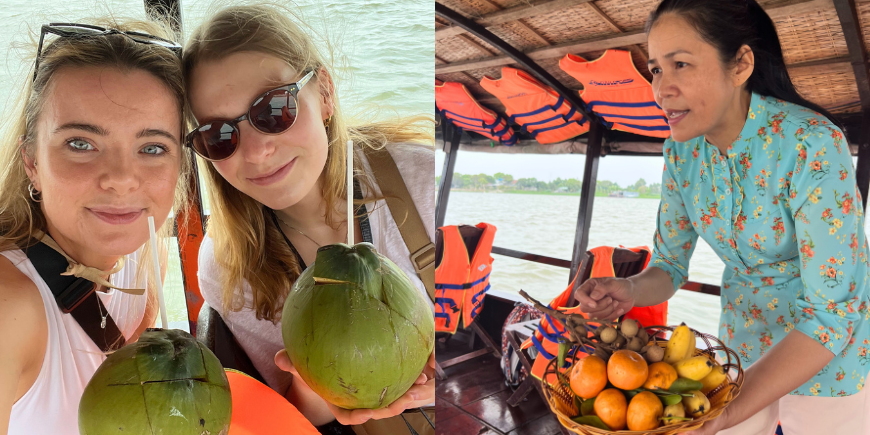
545, 224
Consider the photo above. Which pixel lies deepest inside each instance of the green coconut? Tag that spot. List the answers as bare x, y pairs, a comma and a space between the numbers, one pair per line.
165, 383
356, 329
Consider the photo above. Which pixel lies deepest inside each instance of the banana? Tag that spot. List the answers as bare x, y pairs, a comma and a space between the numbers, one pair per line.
683, 385
714, 379
673, 414
697, 405
681, 345
695, 368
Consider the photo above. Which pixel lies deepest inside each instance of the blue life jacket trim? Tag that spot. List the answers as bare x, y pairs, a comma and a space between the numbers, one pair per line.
465, 286
592, 104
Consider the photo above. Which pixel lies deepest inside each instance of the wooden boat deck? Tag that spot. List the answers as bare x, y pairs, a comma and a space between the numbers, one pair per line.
473, 398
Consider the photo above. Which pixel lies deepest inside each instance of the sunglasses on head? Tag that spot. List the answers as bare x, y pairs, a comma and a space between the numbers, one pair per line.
73, 30
273, 112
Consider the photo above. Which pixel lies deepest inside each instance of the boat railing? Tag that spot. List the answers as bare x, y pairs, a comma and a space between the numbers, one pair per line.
699, 287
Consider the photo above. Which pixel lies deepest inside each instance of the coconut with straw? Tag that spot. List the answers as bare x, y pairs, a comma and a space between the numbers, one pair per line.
354, 325
166, 382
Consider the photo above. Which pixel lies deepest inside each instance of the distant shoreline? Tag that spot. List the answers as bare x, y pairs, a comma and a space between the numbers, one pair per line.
532, 192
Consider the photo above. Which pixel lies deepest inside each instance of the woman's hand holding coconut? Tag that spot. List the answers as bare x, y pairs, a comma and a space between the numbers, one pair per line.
420, 394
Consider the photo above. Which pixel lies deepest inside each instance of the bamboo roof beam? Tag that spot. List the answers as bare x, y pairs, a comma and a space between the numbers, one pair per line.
532, 9
540, 38
440, 61
835, 65
619, 40
612, 24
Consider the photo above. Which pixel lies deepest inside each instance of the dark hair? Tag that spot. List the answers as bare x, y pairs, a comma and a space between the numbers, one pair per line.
731, 24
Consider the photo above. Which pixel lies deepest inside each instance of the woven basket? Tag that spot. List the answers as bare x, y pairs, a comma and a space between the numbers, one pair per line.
561, 399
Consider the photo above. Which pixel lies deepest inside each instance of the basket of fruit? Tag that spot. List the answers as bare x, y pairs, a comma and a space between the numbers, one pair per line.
620, 377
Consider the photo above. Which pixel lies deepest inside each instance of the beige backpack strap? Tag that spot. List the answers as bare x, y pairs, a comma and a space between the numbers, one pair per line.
406, 215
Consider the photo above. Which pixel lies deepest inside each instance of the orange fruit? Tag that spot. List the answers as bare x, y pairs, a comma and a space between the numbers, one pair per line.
661, 375
643, 411
588, 377
626, 369
610, 406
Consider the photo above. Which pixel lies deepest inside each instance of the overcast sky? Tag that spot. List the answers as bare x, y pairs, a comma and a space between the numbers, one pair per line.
623, 170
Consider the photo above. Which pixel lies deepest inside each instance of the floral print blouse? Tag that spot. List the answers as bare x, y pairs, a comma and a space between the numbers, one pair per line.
783, 212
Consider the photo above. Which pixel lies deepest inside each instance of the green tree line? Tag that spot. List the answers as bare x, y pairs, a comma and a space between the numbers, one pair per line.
507, 183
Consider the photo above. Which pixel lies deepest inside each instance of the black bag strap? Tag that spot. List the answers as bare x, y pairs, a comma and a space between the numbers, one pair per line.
410, 223
76, 296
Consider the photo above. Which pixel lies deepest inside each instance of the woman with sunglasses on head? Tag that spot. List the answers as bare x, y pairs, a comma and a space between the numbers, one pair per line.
765, 177
93, 149
268, 120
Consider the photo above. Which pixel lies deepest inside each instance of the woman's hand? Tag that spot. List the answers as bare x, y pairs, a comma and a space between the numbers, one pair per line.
420, 394
605, 298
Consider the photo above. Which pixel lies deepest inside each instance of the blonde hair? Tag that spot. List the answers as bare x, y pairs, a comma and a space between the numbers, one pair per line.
21, 217
247, 244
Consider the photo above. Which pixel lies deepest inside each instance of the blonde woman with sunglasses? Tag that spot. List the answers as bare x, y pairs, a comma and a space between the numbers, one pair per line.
92, 150
267, 120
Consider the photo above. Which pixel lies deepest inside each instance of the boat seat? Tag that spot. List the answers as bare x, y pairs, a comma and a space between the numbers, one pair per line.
626, 263
213, 332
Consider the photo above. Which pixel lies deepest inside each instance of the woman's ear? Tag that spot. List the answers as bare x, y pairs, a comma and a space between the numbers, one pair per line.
744, 65
29, 163
327, 93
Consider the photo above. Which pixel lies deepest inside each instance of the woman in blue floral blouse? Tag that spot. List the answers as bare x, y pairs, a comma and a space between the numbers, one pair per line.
766, 179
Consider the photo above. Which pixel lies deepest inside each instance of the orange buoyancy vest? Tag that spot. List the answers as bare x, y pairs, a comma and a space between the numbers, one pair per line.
540, 111
546, 338
615, 90
259, 410
455, 103
462, 278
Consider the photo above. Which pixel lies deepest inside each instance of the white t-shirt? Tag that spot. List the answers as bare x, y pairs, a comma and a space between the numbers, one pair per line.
51, 405
261, 339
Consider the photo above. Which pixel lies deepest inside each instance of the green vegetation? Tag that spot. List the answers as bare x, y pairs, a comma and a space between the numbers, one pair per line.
505, 183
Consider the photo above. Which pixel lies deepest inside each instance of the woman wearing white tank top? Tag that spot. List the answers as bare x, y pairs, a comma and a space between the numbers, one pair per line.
277, 186
93, 150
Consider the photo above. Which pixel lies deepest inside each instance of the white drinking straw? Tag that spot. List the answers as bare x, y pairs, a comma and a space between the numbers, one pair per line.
163, 320
350, 223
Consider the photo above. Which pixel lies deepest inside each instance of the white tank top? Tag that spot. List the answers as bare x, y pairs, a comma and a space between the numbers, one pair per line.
51, 405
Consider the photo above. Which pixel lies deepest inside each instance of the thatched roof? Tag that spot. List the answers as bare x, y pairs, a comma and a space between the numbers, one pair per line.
811, 33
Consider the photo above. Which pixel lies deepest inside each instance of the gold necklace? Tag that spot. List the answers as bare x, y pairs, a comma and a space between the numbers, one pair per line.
300, 232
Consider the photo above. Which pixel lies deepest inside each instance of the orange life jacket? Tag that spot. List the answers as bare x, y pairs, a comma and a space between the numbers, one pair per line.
259, 410
540, 110
615, 90
461, 282
455, 103
546, 338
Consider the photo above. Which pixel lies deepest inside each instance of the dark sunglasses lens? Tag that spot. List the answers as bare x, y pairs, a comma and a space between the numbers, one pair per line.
274, 112
216, 141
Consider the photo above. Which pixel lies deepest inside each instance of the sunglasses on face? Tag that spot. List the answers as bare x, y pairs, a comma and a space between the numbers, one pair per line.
273, 112
73, 30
